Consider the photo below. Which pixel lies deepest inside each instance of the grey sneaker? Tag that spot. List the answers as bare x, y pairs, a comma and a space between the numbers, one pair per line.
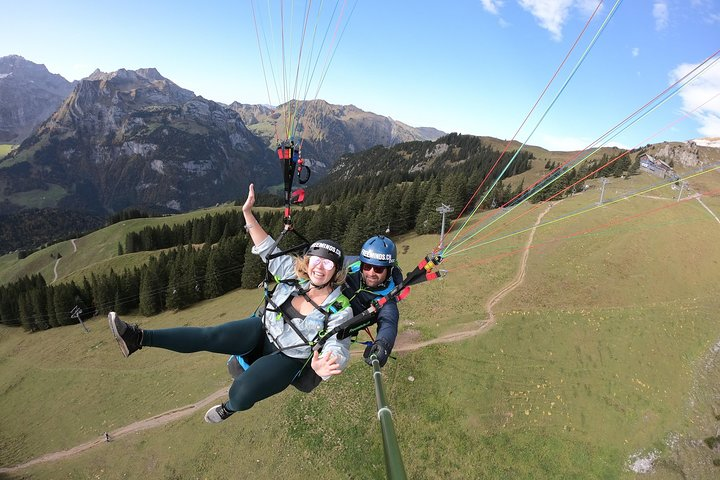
217, 414
127, 336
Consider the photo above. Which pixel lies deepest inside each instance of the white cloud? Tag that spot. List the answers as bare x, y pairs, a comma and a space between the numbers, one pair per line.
492, 6
556, 143
587, 7
635, 52
706, 10
661, 15
551, 14
701, 3
703, 89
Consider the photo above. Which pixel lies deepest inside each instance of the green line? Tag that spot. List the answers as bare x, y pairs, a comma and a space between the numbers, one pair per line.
611, 202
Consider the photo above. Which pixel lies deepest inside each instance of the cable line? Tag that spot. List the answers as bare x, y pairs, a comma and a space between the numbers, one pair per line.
547, 110
550, 178
527, 195
712, 168
527, 116
303, 41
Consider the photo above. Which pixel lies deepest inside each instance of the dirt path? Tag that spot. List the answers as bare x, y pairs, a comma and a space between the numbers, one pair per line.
156, 421
406, 341
58, 261
708, 209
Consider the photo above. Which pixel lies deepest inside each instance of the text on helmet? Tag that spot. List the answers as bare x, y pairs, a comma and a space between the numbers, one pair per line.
376, 256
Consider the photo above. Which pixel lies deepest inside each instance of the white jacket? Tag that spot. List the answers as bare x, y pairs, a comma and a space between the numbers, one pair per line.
281, 334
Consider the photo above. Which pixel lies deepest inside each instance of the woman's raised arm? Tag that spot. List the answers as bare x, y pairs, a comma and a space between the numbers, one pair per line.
257, 233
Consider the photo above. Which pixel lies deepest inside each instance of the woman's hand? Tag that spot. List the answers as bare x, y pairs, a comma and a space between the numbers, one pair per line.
250, 202
326, 365
257, 233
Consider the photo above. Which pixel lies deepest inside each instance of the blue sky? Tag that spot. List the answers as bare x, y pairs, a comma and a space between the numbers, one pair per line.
470, 66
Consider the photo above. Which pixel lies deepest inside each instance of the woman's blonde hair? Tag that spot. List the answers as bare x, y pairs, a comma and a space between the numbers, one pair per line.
301, 270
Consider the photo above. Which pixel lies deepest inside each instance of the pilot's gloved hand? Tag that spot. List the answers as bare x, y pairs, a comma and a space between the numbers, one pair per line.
381, 351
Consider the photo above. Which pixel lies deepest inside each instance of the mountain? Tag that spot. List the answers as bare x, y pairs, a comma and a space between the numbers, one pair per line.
330, 131
135, 138
29, 94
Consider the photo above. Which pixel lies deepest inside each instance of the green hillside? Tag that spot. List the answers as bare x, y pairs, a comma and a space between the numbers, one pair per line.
96, 251
603, 354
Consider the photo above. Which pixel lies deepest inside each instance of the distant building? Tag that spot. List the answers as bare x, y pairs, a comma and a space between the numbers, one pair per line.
656, 167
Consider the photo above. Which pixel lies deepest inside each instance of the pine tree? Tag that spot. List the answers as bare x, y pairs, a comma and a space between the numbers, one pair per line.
231, 258
410, 205
253, 271
191, 282
38, 300
118, 305
131, 239
174, 292
50, 305
635, 167
318, 226
358, 230
130, 290
26, 313
150, 303
102, 293
213, 283
216, 229
200, 229
64, 299
452, 192
428, 219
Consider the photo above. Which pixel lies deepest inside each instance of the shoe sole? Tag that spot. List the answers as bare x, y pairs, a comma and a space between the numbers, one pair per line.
123, 347
210, 420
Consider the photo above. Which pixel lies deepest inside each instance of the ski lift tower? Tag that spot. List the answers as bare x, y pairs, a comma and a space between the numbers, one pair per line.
75, 312
604, 181
443, 209
683, 185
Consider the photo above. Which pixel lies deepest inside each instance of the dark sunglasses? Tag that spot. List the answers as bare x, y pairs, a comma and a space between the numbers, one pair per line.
377, 269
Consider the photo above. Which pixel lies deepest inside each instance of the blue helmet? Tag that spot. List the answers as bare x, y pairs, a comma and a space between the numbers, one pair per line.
380, 251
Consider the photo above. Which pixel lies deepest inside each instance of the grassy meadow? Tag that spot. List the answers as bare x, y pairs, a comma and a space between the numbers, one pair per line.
605, 355
5, 149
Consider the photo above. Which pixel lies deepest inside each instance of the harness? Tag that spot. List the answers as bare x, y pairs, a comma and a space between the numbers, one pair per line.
270, 306
423, 272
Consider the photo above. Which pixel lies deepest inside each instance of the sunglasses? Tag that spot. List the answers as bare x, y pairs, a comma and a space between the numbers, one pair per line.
326, 263
377, 269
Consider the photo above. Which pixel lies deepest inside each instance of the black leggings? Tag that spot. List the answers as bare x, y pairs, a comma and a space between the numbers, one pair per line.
269, 374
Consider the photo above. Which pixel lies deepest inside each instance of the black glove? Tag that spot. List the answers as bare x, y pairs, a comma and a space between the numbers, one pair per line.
381, 351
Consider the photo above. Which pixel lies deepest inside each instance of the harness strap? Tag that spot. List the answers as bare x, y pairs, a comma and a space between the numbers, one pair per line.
335, 307
420, 274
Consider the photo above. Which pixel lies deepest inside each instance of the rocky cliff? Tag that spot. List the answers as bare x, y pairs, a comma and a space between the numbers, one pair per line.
29, 94
134, 138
